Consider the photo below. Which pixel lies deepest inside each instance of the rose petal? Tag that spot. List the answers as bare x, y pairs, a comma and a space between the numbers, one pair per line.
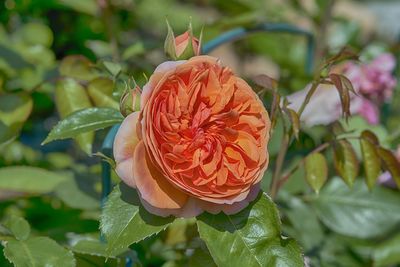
152, 185
125, 142
156, 77
231, 208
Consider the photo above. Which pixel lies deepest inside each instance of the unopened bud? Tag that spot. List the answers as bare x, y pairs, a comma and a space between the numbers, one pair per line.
183, 46
130, 101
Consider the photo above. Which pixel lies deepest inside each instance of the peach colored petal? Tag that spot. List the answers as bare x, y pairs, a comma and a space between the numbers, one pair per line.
124, 146
192, 208
231, 208
204, 135
154, 79
151, 184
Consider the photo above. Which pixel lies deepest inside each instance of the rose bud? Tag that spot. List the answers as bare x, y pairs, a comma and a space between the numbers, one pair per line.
198, 143
183, 46
130, 101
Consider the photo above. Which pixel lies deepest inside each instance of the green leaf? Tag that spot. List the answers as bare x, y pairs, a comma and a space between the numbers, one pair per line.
89, 7
15, 108
13, 59
29, 179
307, 229
14, 111
100, 90
124, 221
86, 260
370, 136
113, 68
19, 227
295, 121
390, 163
371, 161
201, 257
316, 169
83, 121
94, 247
8, 133
80, 199
346, 162
357, 212
35, 34
93, 253
251, 237
133, 51
70, 96
78, 67
388, 253
38, 251
102, 49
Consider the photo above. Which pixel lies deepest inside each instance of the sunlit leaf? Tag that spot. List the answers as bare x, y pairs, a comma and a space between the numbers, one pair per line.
19, 227
14, 111
355, 211
371, 160
388, 252
80, 199
94, 247
70, 96
345, 161
100, 48
124, 221
83, 121
390, 163
13, 59
35, 34
100, 90
29, 179
112, 67
77, 67
251, 237
316, 169
370, 136
38, 251
133, 51
15, 108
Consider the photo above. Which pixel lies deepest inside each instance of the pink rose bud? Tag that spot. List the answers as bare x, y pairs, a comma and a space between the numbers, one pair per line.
130, 101
183, 46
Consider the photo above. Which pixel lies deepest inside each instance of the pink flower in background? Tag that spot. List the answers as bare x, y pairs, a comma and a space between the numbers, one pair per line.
373, 82
368, 110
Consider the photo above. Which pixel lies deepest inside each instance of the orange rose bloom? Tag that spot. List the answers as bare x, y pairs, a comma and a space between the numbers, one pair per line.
198, 143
